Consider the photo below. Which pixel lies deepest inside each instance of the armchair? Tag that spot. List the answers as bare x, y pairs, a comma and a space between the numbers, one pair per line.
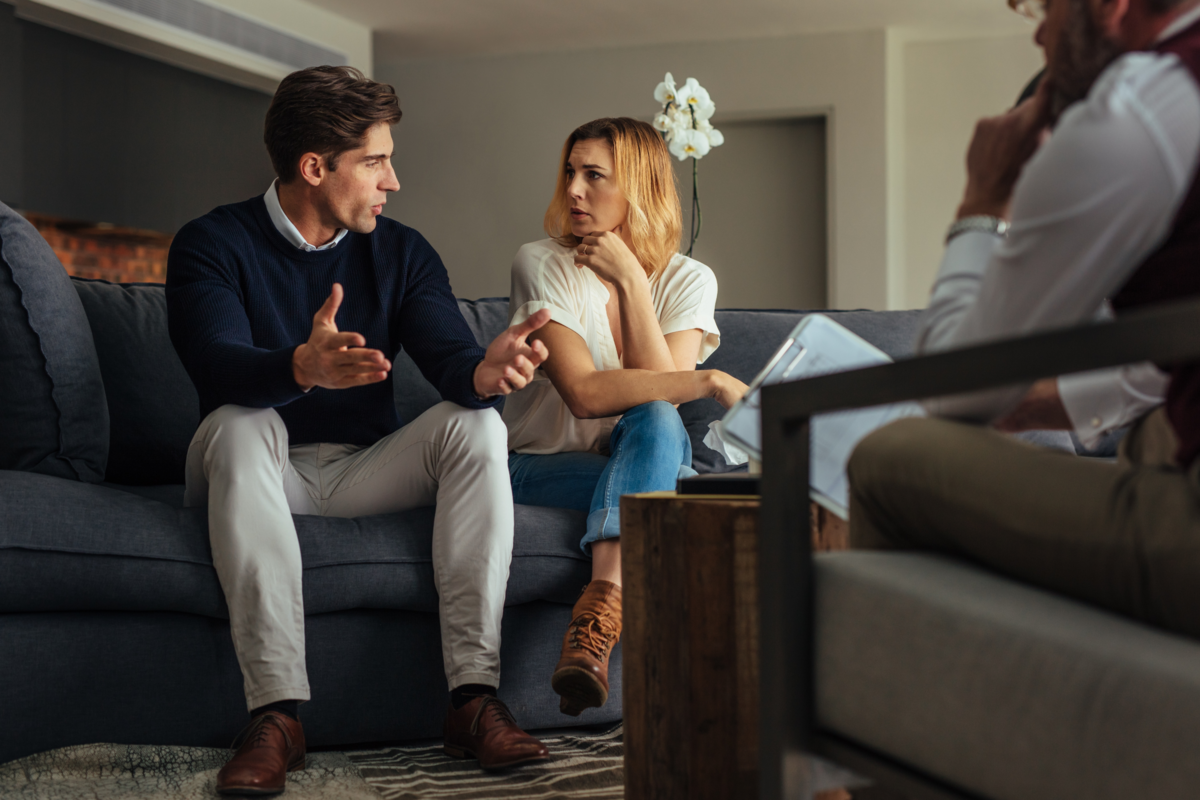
1156, 677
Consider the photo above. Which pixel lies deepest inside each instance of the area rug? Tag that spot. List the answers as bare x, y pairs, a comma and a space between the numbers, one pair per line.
133, 772
583, 764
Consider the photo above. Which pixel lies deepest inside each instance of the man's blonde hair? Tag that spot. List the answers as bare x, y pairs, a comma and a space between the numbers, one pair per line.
643, 172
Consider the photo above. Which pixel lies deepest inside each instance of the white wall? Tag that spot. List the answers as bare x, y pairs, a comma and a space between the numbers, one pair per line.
947, 87
478, 147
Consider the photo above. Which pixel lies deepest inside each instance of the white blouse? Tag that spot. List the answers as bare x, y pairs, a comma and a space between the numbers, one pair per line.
544, 275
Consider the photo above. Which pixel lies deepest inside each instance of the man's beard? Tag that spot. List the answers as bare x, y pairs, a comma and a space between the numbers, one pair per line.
1081, 54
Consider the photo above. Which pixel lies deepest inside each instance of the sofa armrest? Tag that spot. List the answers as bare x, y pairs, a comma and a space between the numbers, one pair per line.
1165, 334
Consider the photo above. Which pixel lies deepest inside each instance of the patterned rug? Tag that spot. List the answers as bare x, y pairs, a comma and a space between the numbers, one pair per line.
132, 772
583, 764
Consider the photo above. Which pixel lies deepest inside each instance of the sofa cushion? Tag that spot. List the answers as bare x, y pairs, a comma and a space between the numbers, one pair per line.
487, 317
67, 546
152, 405
55, 419
1001, 689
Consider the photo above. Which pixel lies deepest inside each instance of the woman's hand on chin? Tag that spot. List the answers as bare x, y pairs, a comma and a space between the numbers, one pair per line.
607, 255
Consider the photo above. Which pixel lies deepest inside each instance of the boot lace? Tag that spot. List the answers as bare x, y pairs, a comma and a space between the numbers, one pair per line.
594, 633
500, 713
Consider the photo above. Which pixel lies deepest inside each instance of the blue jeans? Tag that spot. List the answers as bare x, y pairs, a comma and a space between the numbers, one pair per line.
649, 451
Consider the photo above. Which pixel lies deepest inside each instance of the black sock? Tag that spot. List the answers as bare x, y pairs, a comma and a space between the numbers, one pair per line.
467, 692
289, 707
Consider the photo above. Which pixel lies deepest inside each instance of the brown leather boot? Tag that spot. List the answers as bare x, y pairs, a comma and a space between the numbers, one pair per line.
581, 677
484, 729
271, 746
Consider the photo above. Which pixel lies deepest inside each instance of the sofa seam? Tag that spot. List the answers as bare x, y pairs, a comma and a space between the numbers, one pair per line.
339, 563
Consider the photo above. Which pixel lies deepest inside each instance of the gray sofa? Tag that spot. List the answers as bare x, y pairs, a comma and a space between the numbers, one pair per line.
112, 621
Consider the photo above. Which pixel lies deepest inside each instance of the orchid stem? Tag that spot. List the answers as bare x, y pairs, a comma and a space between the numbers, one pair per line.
697, 216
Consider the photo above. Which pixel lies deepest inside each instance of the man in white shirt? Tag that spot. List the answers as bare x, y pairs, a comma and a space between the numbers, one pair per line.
1090, 207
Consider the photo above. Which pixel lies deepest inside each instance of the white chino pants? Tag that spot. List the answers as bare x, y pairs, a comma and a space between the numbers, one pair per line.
239, 464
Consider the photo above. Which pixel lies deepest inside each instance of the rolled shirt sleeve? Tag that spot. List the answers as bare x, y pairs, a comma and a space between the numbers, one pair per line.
688, 302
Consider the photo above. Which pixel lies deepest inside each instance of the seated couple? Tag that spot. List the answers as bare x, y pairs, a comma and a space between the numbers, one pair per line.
1098, 175
285, 309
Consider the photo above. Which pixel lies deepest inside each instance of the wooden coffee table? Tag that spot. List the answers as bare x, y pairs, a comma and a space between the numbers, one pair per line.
690, 643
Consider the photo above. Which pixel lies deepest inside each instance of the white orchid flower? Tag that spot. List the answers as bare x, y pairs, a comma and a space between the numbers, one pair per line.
715, 137
662, 123
695, 97
665, 92
679, 119
690, 144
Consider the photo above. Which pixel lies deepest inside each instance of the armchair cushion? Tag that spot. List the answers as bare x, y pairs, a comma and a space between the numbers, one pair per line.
1007, 691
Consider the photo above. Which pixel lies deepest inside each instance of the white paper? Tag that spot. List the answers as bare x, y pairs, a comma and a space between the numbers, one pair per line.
818, 346
732, 454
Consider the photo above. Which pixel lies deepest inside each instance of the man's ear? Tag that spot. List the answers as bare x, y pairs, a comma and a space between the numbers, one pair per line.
1110, 17
312, 168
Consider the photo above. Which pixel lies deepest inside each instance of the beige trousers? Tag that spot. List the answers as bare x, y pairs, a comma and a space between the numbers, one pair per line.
240, 466
1123, 535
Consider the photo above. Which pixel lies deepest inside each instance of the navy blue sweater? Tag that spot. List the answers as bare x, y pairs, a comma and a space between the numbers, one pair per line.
241, 298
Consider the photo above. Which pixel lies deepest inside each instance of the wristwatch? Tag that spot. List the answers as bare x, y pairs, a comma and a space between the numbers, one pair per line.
993, 225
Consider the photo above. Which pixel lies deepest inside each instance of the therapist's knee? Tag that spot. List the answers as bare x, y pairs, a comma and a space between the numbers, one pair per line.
883, 455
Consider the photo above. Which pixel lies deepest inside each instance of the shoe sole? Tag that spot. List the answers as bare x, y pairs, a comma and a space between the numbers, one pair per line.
256, 791
462, 752
579, 690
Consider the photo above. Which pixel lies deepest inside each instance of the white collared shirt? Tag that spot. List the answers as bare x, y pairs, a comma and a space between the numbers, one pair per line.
1089, 208
290, 231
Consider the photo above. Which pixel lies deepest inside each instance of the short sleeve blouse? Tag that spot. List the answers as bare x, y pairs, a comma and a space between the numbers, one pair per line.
544, 275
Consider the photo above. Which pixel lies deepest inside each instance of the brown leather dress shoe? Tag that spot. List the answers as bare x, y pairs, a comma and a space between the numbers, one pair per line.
271, 746
581, 677
484, 729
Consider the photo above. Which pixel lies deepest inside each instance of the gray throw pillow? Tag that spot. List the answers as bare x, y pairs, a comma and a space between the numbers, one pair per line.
152, 404
55, 418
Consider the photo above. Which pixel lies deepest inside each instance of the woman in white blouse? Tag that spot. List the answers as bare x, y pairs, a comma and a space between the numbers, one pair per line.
630, 319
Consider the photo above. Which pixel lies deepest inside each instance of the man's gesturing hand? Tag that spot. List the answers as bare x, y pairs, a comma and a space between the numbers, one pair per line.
336, 360
510, 362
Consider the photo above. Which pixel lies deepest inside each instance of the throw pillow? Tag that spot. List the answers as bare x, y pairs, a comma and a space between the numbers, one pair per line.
152, 404
55, 418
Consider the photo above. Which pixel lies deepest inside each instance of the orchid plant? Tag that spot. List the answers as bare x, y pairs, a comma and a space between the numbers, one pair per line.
685, 127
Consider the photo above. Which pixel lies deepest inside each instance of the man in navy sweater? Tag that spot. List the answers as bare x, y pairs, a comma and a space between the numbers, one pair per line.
284, 309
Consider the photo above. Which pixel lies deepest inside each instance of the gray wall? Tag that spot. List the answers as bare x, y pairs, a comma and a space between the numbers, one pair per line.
478, 148
763, 198
107, 136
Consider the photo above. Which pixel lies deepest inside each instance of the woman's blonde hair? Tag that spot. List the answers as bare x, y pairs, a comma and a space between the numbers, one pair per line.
643, 172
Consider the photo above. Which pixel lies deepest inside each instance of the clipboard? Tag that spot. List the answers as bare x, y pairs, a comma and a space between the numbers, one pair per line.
817, 346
